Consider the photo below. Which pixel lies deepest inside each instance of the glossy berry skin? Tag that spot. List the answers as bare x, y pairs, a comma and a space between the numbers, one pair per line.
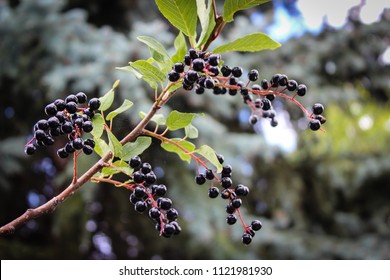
173, 76
213, 192
164, 203
200, 179
256, 225
154, 213
214, 70
39, 135
150, 178
274, 123
318, 109
42, 124
71, 98
275, 80
220, 158
229, 209
225, 70
168, 230
226, 182
241, 190
81, 97
209, 83
225, 194
30, 149
62, 153
94, 104
231, 219
209, 174
60, 104
53, 122
71, 107
139, 192
78, 143
301, 90
140, 206
314, 124
214, 59
87, 150
246, 238
265, 104
90, 142
87, 126
69, 148
135, 162
161, 190
292, 85
172, 214
237, 71
178, 67
236, 202
51, 109
283, 80
138, 177
199, 89
264, 84
227, 169
198, 64
253, 75
146, 168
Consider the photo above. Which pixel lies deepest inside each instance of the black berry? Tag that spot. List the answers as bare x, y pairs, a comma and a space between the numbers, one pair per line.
231, 219
318, 109
200, 179
135, 162
213, 192
93, 104
256, 225
30, 149
253, 75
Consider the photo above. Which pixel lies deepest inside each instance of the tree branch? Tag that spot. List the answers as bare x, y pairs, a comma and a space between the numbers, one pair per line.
52, 204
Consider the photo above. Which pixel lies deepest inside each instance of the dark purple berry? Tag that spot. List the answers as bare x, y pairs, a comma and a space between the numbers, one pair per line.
139, 192
168, 230
256, 225
146, 168
78, 143
150, 177
301, 91
270, 97
93, 104
42, 124
81, 97
246, 238
214, 59
214, 70
220, 158
226, 182
178, 67
164, 203
264, 84
225, 194
90, 142
71, 98
253, 75
199, 89
172, 214
69, 148
71, 107
161, 190
66, 128
229, 209
318, 109
213, 192
87, 126
192, 53
138, 177
209, 83
140, 206
187, 60
133, 199
283, 80
154, 213
87, 149
200, 179
265, 104
314, 124
48, 141
60, 104
292, 85
51, 109
227, 169
30, 149
198, 64
135, 162
237, 71
62, 153
173, 76
241, 190
231, 219
236, 202
274, 122
225, 70
39, 135
275, 80
321, 118
209, 174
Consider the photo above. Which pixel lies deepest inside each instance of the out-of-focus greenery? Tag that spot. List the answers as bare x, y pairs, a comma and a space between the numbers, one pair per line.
328, 199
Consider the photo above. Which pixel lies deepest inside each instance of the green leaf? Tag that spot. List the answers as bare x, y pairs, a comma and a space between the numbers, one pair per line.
180, 13
230, 7
207, 21
150, 73
137, 74
115, 145
125, 106
132, 149
101, 147
107, 99
154, 45
250, 43
98, 125
120, 166
191, 131
171, 147
159, 119
177, 120
181, 48
207, 152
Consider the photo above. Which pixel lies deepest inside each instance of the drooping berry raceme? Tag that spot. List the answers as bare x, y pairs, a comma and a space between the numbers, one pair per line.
202, 71
66, 117
147, 194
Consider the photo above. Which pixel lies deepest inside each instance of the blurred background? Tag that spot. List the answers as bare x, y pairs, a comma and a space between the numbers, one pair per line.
319, 195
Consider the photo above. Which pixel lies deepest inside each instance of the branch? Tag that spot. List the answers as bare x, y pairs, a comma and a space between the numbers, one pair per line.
52, 204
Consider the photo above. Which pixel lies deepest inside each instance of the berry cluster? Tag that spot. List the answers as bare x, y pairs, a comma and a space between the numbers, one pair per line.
147, 194
65, 117
202, 70
233, 194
